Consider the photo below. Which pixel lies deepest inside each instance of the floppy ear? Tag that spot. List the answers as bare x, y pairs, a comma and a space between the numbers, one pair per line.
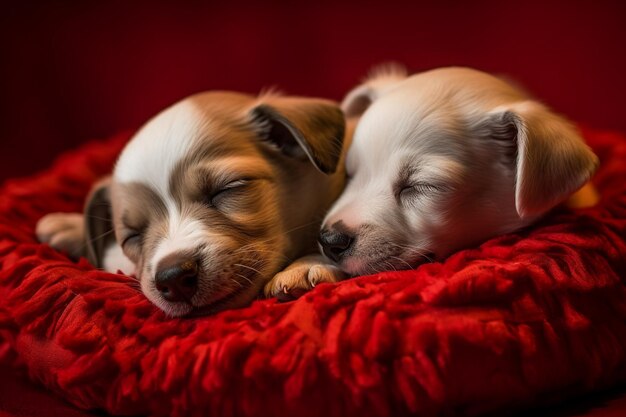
302, 128
98, 224
552, 160
379, 80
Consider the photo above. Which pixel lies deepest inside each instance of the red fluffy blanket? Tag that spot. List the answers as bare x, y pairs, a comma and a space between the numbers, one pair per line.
526, 318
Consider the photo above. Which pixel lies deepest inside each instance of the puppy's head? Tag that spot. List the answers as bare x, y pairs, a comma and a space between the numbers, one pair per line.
443, 160
202, 198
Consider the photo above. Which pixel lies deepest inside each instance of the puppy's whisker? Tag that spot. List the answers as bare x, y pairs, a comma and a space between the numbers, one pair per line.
237, 282
100, 236
393, 268
245, 278
253, 251
403, 261
248, 267
416, 250
301, 227
91, 216
254, 262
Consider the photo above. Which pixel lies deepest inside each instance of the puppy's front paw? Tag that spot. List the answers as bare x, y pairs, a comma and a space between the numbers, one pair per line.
301, 276
63, 231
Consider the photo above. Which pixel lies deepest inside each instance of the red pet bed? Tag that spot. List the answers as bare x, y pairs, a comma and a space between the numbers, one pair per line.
525, 319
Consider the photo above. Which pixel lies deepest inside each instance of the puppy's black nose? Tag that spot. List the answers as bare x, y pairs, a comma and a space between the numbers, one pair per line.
177, 280
335, 244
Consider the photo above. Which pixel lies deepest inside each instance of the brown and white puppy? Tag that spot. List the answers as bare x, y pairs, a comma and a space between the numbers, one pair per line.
443, 160
212, 198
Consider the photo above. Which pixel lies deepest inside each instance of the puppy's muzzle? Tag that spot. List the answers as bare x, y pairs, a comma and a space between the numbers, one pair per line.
177, 278
335, 244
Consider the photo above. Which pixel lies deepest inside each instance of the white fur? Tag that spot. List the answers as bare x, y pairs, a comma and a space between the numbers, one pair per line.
162, 145
184, 234
449, 127
115, 260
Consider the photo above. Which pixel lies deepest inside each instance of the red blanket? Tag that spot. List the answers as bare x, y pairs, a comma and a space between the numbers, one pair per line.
526, 318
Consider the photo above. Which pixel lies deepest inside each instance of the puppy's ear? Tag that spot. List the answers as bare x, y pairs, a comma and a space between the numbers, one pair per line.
552, 160
379, 80
302, 128
98, 224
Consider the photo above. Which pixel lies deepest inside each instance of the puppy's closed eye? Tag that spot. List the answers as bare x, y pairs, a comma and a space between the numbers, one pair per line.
133, 238
409, 192
131, 242
131, 232
217, 197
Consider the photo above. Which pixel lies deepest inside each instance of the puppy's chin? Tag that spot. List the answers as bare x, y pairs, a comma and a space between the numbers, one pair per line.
355, 266
363, 265
236, 298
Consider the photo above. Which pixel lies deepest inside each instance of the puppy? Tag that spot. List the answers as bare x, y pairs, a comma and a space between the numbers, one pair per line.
212, 198
444, 160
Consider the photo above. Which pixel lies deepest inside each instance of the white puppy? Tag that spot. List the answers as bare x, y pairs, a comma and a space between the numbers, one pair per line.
443, 160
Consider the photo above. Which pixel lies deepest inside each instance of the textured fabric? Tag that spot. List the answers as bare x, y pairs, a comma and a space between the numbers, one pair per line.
526, 318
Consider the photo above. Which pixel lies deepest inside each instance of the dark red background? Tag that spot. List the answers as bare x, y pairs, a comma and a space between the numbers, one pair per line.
72, 71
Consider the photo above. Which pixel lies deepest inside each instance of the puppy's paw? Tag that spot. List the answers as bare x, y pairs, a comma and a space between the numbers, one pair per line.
301, 276
63, 231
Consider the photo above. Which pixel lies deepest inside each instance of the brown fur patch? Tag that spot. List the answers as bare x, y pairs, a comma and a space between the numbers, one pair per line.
258, 208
